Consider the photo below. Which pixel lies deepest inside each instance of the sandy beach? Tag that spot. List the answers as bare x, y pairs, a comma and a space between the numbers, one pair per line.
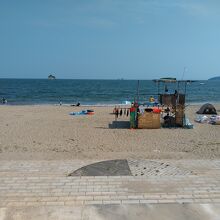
49, 132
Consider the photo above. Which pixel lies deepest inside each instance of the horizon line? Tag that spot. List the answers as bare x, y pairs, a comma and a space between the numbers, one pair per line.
121, 79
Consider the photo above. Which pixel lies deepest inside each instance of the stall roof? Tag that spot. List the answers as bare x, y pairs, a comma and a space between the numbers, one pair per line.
172, 80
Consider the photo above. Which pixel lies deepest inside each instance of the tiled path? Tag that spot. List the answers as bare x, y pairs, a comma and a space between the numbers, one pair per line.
46, 183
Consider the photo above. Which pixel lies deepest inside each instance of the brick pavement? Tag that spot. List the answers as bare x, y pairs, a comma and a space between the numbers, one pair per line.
46, 183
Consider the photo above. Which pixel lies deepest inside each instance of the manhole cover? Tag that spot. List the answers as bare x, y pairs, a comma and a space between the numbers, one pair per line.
104, 168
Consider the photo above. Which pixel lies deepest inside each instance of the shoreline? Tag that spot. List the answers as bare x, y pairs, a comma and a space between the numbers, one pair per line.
98, 105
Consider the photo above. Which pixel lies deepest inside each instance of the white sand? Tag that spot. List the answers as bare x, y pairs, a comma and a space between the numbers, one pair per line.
49, 132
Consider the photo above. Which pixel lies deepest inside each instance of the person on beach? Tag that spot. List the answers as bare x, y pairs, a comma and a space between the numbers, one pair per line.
151, 99
133, 115
116, 113
77, 104
4, 101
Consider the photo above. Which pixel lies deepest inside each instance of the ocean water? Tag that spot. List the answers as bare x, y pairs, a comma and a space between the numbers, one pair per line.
98, 92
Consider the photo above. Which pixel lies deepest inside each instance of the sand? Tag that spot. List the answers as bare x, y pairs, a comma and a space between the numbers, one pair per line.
49, 132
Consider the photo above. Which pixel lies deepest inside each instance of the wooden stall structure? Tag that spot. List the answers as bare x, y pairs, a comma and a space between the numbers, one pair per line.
172, 101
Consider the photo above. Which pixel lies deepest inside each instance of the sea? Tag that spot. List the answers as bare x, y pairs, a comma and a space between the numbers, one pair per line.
100, 92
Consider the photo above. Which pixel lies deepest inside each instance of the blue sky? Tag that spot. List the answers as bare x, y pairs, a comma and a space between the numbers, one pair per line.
110, 39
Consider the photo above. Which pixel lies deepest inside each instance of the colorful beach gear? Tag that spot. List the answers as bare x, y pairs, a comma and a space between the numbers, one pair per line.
83, 112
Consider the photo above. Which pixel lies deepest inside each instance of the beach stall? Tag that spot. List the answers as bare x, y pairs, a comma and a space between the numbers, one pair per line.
171, 96
166, 108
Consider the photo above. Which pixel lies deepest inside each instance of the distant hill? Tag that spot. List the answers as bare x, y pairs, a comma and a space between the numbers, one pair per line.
215, 78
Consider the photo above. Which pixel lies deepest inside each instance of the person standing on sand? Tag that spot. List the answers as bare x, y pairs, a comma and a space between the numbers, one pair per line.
116, 112
133, 115
4, 101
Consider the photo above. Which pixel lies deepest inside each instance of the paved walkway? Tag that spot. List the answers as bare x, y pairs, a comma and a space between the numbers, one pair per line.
46, 183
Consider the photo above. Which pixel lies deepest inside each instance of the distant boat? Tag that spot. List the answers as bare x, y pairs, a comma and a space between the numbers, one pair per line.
201, 83
51, 77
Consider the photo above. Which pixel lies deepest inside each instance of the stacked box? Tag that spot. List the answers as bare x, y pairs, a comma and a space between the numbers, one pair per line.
149, 120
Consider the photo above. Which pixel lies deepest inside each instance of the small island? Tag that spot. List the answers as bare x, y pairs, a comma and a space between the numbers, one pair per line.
51, 77
215, 78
